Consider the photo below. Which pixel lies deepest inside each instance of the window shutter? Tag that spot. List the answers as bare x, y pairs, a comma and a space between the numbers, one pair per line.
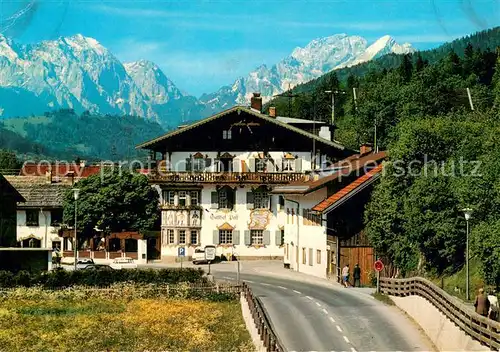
236, 165
267, 238
244, 166
248, 239
216, 167
269, 166
188, 164
251, 164
216, 237
214, 200
250, 200
232, 198
236, 237
277, 235
270, 202
208, 162
298, 165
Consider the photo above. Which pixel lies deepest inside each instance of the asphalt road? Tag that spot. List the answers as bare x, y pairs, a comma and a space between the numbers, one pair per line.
315, 317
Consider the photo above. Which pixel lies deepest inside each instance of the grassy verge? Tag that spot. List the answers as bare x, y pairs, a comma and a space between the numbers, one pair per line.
383, 298
455, 284
116, 324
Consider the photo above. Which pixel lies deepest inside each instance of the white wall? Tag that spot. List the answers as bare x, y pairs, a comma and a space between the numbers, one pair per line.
239, 218
311, 237
178, 159
43, 231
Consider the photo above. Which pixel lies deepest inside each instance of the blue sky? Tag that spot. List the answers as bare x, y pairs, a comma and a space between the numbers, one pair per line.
202, 45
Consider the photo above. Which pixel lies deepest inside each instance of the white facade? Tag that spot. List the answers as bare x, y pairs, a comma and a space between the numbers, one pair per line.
43, 229
305, 242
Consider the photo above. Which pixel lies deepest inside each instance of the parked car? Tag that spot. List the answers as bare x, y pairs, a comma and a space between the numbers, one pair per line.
98, 267
123, 263
199, 255
83, 263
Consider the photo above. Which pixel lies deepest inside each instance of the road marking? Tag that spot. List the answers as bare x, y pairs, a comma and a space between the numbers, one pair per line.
317, 303
252, 282
324, 311
346, 339
353, 349
332, 320
297, 292
264, 284
227, 278
283, 288
309, 297
339, 329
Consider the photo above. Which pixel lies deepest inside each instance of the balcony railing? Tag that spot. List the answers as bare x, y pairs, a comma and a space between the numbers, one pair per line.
225, 177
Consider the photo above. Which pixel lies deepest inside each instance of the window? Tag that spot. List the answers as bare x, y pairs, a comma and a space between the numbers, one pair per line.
226, 134
310, 218
194, 237
318, 256
182, 198
182, 236
260, 165
226, 198
261, 199
171, 236
303, 255
198, 164
195, 199
257, 237
31, 217
288, 165
56, 217
170, 199
310, 256
225, 236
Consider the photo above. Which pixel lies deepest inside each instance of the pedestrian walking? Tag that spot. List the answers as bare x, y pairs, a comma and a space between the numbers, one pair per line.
357, 276
482, 304
493, 299
345, 275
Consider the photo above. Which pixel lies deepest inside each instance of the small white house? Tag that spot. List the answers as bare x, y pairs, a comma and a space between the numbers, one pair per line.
215, 178
39, 218
324, 224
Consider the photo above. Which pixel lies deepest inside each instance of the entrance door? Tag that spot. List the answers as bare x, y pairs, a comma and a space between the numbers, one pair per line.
363, 256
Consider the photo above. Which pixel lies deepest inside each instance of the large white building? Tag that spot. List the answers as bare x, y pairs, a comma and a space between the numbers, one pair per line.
215, 178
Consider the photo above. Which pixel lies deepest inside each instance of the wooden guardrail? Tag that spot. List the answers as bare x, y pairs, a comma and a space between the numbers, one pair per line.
484, 330
266, 332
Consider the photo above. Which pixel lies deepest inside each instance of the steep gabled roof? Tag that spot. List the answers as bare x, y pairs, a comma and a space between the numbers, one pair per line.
344, 168
39, 194
240, 109
6, 188
348, 191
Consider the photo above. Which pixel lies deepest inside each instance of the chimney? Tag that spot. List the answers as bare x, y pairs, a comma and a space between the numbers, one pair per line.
272, 111
48, 175
324, 132
256, 102
82, 163
365, 148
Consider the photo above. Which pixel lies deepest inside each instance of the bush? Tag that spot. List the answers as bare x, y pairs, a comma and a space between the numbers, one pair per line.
63, 278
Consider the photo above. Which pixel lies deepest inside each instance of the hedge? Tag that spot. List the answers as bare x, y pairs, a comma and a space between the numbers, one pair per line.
99, 278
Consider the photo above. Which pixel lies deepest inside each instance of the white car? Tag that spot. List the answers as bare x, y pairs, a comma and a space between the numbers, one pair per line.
199, 254
123, 263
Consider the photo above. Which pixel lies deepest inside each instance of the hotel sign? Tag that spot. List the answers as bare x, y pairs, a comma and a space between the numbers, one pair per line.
224, 217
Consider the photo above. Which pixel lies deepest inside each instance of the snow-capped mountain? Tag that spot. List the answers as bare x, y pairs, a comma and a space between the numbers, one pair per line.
304, 64
79, 73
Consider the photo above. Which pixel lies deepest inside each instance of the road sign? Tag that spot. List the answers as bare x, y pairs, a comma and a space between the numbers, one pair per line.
379, 266
181, 252
210, 253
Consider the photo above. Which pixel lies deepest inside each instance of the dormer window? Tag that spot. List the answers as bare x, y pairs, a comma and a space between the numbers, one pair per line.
260, 165
226, 134
288, 163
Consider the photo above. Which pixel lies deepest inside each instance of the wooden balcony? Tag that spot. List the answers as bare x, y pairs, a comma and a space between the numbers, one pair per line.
225, 177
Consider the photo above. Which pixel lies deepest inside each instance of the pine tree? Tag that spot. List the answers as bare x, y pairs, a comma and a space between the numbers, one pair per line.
406, 68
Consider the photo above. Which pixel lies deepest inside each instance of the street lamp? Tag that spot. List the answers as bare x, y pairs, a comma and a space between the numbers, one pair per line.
76, 193
467, 213
333, 92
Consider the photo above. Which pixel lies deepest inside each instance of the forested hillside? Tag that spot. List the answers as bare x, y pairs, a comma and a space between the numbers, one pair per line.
66, 135
444, 156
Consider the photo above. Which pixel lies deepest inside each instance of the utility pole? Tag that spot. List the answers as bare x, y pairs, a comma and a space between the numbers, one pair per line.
375, 146
355, 99
333, 92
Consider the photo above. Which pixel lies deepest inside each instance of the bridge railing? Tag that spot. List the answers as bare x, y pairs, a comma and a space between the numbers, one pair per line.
264, 327
485, 330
